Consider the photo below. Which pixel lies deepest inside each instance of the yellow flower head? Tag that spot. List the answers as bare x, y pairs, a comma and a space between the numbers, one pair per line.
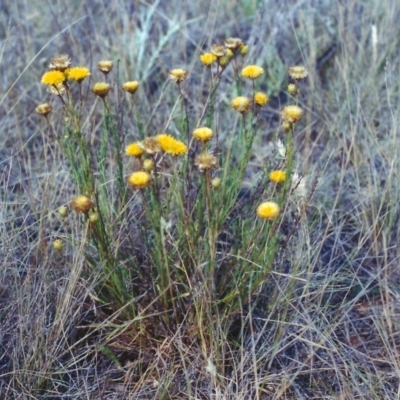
261, 99
298, 72
268, 210
216, 183
233, 43
278, 176
171, 145
240, 104
58, 245
292, 89
78, 73
134, 150
60, 63
208, 58
178, 75
223, 61
252, 72
131, 86
150, 145
148, 165
218, 50
82, 203
44, 109
53, 78
101, 89
139, 179
244, 49
63, 211
203, 134
105, 66
291, 114
205, 161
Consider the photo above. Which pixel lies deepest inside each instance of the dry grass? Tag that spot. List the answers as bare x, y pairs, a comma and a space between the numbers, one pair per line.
338, 277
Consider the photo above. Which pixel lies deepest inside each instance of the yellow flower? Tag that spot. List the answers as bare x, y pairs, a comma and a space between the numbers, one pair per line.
131, 86
205, 161
216, 183
240, 104
101, 89
53, 78
150, 145
60, 63
260, 99
223, 61
292, 89
139, 179
298, 72
44, 109
58, 245
252, 71
63, 211
277, 176
82, 203
78, 73
148, 165
208, 58
244, 49
105, 66
203, 134
134, 150
178, 75
292, 114
171, 145
268, 210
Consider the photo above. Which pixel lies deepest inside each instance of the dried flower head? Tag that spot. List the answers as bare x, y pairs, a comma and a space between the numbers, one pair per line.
101, 89
60, 63
57, 90
131, 86
203, 134
171, 145
292, 114
261, 99
105, 66
43, 109
58, 245
78, 73
178, 75
244, 49
268, 210
292, 89
82, 203
252, 72
218, 50
139, 180
150, 145
298, 72
233, 43
134, 150
205, 161
53, 78
208, 58
277, 176
241, 104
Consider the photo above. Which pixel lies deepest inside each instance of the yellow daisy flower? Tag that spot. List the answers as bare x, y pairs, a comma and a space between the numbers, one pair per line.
208, 58
131, 86
171, 145
240, 104
178, 75
292, 114
261, 99
252, 72
139, 179
268, 210
203, 134
101, 89
134, 150
278, 176
78, 73
53, 78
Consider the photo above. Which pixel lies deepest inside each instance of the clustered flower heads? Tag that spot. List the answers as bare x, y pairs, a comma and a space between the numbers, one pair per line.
224, 53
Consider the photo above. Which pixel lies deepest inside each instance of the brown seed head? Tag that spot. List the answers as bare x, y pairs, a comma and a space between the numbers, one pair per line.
218, 50
43, 109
